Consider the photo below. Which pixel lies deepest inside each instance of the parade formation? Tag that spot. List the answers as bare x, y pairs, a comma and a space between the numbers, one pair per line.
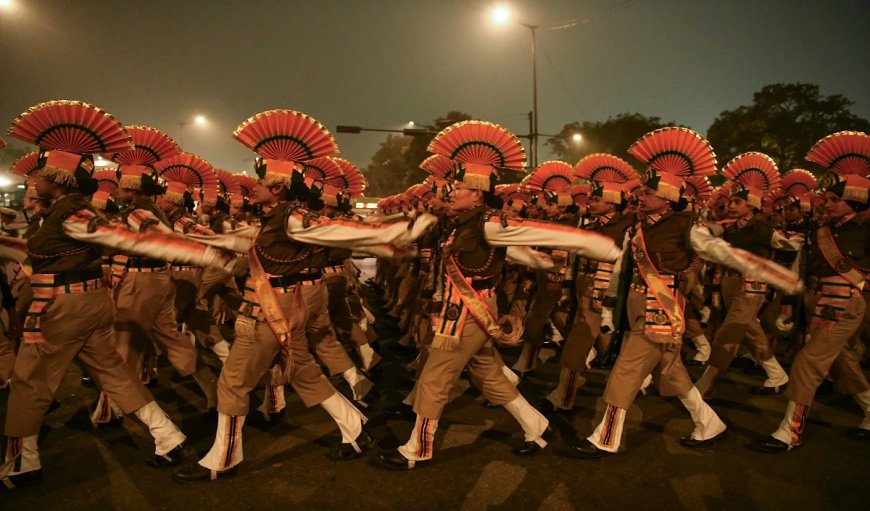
640, 269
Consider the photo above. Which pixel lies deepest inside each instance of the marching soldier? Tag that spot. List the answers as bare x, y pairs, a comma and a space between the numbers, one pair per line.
65, 253
837, 262
281, 299
472, 259
664, 244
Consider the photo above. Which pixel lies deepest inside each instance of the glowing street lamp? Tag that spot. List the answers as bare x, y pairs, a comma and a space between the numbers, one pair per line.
501, 15
198, 120
577, 137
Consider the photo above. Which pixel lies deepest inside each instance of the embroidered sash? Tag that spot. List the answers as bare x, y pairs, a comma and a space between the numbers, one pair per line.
667, 321
460, 300
831, 253
272, 312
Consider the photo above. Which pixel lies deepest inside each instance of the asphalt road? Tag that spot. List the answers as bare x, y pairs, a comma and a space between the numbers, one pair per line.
474, 469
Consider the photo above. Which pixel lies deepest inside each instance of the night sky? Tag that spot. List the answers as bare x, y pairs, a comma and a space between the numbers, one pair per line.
383, 63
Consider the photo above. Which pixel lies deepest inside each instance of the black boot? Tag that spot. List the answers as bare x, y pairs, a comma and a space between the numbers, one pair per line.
345, 451
197, 473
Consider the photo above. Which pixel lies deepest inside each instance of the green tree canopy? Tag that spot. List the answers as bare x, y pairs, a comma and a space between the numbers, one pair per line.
396, 164
783, 121
613, 136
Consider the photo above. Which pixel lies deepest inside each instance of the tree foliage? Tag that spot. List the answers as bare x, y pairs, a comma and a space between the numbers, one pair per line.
396, 164
613, 136
783, 121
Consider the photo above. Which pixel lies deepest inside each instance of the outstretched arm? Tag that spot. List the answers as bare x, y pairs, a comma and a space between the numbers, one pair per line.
588, 244
718, 250
84, 225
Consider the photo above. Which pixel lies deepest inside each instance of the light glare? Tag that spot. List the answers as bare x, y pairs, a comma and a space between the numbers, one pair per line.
577, 137
199, 120
500, 14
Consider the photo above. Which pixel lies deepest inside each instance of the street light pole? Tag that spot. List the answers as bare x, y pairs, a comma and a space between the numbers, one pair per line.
181, 125
534, 141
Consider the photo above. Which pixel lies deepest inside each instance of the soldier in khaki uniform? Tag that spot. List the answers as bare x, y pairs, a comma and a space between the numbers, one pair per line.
590, 279
664, 245
145, 296
283, 296
472, 260
753, 174
71, 314
837, 263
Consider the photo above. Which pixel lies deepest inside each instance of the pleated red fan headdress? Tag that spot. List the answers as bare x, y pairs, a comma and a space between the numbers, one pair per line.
318, 173
67, 133
846, 155
107, 187
607, 174
723, 192
479, 149
698, 189
191, 171
150, 146
553, 179
845, 152
442, 169
795, 183
228, 187
580, 195
282, 137
248, 185
671, 154
26, 165
351, 179
107, 181
633, 187
753, 175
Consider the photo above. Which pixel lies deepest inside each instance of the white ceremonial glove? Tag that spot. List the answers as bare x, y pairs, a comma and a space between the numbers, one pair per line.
607, 320
784, 323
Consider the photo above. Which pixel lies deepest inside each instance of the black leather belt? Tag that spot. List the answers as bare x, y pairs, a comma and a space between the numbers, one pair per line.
290, 280
74, 277
480, 285
145, 263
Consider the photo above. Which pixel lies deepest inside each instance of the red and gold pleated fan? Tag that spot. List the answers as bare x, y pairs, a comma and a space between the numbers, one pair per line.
286, 135
26, 165
505, 190
107, 181
480, 143
351, 179
227, 182
72, 127
247, 184
439, 166
580, 193
552, 176
151, 145
674, 150
632, 187
698, 188
797, 182
845, 152
753, 170
321, 169
603, 167
190, 170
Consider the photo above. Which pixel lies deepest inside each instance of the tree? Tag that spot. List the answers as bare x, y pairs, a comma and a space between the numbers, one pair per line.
613, 136
9, 155
386, 173
396, 164
783, 121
